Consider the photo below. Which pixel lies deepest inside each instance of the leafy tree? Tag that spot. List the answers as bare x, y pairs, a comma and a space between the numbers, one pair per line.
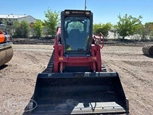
141, 31
16, 24
149, 27
16, 27
151, 35
127, 25
52, 19
37, 27
104, 28
22, 29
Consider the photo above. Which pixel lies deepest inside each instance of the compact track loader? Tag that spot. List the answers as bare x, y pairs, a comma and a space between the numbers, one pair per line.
6, 51
75, 81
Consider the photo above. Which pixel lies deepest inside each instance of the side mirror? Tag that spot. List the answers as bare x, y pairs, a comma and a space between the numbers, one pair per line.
99, 39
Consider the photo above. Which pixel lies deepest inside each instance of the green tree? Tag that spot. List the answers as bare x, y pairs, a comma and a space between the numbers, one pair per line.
141, 31
104, 28
38, 27
16, 27
15, 24
151, 35
22, 29
52, 19
149, 27
128, 25
144, 30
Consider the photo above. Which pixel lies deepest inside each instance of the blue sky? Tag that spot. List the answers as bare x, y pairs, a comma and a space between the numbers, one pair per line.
104, 10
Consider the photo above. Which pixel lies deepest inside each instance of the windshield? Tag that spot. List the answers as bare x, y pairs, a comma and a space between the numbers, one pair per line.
76, 33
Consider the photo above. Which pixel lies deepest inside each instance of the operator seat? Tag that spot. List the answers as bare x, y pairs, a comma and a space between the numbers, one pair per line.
74, 38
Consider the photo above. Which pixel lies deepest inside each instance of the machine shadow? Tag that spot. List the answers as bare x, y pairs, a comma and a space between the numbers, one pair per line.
149, 56
3, 66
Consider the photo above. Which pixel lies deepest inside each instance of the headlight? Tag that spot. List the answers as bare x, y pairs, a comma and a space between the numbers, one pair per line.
87, 13
67, 12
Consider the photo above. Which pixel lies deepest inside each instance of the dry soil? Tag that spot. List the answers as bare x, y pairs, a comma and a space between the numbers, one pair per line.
17, 78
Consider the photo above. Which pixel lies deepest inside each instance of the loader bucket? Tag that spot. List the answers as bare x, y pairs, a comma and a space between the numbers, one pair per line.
78, 93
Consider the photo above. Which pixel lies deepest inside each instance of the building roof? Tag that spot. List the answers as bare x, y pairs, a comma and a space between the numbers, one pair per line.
11, 16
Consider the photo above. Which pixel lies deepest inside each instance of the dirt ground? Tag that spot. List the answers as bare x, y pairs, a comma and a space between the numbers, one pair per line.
17, 78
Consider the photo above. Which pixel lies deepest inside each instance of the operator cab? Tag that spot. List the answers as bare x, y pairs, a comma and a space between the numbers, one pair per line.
76, 32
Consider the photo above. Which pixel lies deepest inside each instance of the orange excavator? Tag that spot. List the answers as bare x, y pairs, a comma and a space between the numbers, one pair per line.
6, 50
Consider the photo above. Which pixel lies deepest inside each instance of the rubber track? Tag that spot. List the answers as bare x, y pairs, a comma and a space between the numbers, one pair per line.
50, 66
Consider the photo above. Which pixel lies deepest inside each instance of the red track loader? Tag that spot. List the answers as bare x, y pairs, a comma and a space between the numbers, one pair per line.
75, 82
6, 51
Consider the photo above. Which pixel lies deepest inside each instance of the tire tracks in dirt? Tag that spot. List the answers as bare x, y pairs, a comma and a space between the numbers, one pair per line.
32, 58
136, 85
